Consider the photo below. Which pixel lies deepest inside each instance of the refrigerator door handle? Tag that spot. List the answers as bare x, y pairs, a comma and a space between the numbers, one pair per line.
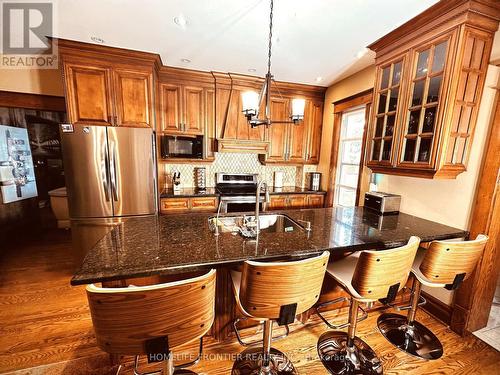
114, 185
105, 170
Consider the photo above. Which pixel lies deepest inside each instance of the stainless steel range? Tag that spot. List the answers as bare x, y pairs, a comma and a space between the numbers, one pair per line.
237, 191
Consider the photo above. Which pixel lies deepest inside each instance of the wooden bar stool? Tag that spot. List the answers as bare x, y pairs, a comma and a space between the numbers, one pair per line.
153, 320
367, 276
275, 291
444, 265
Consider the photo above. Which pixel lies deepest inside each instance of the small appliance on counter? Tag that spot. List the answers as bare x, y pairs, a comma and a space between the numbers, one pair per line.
315, 181
176, 182
383, 203
200, 175
278, 179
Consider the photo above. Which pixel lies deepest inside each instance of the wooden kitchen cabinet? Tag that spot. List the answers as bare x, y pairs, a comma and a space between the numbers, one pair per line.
313, 120
98, 95
188, 204
279, 134
429, 81
295, 143
182, 109
294, 201
133, 97
88, 94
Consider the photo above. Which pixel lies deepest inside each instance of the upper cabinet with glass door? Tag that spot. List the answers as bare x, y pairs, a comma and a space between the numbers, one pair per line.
386, 110
430, 78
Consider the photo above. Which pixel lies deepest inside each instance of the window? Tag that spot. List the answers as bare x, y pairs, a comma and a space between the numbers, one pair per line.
349, 158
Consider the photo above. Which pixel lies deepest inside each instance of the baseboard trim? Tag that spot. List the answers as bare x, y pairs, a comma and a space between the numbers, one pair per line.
437, 308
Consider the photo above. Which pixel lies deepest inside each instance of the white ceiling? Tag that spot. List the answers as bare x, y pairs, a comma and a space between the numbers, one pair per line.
313, 38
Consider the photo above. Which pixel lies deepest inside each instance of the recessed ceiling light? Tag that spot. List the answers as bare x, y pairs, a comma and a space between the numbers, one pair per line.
319, 79
96, 39
187, 61
252, 70
361, 53
180, 21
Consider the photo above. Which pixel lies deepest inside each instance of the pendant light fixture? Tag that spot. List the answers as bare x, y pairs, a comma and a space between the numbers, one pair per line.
253, 101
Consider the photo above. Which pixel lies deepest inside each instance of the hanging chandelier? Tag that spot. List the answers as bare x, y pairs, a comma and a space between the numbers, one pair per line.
252, 101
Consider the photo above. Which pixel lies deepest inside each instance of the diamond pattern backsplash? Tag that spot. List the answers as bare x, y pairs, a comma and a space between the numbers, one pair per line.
238, 163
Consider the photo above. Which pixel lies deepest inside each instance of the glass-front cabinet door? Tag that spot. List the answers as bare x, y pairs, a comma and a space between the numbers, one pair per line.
385, 113
426, 92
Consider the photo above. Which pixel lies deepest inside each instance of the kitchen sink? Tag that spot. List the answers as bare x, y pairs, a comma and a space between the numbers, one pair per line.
276, 223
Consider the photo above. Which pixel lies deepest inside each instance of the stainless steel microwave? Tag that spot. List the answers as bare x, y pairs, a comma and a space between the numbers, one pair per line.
173, 146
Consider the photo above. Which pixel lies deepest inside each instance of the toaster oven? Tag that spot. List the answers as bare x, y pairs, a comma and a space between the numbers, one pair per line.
383, 203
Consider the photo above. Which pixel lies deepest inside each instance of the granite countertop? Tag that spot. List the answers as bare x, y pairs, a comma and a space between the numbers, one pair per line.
169, 244
212, 192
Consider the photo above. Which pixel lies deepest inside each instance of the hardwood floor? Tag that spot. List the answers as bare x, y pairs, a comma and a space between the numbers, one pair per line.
46, 328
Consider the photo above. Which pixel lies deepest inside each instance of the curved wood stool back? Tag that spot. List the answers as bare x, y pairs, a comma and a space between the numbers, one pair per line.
265, 287
444, 260
276, 291
444, 264
377, 271
125, 319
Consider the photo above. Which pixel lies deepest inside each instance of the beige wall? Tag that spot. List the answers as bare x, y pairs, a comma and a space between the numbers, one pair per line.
349, 86
33, 81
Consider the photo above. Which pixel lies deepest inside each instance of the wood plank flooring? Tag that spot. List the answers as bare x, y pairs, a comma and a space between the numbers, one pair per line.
45, 327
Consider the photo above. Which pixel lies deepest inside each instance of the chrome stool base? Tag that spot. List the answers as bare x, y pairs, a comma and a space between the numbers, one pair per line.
249, 362
416, 339
339, 359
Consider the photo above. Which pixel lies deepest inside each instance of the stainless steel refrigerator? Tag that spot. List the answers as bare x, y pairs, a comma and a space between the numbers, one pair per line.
109, 171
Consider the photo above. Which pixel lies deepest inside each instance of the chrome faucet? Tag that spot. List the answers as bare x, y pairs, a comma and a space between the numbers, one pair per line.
260, 185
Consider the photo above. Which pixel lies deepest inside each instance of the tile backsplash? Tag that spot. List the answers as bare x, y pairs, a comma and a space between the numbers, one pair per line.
237, 163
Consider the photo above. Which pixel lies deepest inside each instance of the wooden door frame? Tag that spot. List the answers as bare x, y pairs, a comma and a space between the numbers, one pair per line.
340, 106
472, 301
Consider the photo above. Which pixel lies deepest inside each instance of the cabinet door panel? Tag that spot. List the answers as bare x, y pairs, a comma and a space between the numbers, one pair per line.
297, 201
170, 108
204, 203
278, 133
133, 98
315, 201
88, 95
315, 128
174, 205
278, 202
298, 141
193, 110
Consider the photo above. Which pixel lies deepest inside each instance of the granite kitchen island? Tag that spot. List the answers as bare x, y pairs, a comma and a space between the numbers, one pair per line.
173, 244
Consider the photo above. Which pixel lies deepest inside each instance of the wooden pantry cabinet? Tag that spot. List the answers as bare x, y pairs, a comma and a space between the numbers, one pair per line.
107, 86
429, 81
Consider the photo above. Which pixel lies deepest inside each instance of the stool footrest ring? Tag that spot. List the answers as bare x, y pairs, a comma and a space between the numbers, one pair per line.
363, 316
255, 342
422, 301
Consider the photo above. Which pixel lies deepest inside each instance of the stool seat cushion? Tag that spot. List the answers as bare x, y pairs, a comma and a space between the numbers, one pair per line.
343, 270
415, 270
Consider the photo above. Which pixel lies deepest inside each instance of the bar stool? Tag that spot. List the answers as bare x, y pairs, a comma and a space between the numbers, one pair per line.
153, 320
275, 291
444, 265
367, 276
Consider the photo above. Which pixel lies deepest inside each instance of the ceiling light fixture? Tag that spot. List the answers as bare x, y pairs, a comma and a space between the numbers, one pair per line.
180, 21
252, 101
252, 70
187, 61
